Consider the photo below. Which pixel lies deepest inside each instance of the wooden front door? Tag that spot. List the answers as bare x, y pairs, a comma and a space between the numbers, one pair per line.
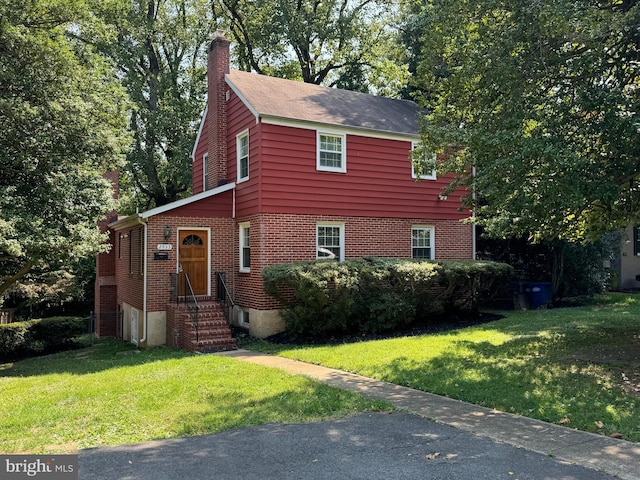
193, 261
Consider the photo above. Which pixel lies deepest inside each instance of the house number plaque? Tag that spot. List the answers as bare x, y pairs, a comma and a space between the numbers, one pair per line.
164, 246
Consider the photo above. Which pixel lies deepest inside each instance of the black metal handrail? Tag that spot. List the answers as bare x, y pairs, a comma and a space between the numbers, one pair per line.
222, 294
192, 303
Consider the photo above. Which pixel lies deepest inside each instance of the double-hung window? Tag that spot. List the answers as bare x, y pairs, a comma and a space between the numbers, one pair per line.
332, 152
423, 164
330, 241
422, 242
245, 247
242, 146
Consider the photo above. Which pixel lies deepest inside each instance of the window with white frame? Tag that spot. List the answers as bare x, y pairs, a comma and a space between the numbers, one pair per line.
243, 315
332, 155
330, 241
422, 242
242, 146
205, 171
426, 161
245, 247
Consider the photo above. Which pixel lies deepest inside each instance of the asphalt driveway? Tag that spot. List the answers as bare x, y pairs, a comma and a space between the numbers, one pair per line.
368, 446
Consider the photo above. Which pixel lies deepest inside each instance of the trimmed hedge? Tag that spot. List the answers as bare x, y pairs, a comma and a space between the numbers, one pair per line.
45, 335
377, 294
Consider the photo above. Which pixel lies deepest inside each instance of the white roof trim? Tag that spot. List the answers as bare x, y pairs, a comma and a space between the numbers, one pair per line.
349, 130
186, 201
202, 120
142, 217
241, 97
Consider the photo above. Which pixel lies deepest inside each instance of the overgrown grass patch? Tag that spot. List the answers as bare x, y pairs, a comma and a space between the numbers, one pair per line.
110, 394
525, 363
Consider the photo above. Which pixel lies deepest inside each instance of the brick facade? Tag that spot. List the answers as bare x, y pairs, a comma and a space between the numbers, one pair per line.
218, 66
292, 238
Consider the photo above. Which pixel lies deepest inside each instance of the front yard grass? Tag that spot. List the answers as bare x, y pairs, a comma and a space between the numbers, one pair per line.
111, 394
578, 366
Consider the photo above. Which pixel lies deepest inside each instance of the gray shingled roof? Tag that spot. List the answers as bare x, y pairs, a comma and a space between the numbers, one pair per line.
291, 100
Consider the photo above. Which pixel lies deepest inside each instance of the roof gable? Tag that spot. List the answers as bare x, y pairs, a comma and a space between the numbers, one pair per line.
287, 99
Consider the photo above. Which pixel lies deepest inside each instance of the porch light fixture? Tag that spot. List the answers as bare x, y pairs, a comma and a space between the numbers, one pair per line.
167, 232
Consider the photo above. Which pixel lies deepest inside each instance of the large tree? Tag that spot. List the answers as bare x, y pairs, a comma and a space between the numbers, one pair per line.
62, 125
345, 43
160, 49
540, 100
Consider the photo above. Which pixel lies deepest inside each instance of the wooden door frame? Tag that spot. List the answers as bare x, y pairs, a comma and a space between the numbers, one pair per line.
201, 229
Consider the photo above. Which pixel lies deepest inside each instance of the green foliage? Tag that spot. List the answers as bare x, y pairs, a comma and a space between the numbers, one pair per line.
159, 49
574, 363
377, 294
34, 337
541, 99
13, 338
62, 125
344, 43
54, 333
102, 396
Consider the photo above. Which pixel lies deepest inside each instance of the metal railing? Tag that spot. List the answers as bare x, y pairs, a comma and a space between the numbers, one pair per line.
191, 302
222, 294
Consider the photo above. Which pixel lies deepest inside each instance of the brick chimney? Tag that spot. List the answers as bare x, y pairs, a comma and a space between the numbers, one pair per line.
217, 67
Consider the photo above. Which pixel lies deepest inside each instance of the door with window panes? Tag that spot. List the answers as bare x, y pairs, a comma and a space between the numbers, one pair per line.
193, 261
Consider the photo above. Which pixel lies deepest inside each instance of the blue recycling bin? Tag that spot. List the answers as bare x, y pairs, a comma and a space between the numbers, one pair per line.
540, 294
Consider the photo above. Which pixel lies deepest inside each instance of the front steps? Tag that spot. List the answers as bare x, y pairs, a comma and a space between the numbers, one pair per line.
210, 333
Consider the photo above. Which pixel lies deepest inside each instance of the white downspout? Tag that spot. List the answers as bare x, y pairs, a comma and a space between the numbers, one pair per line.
473, 215
144, 285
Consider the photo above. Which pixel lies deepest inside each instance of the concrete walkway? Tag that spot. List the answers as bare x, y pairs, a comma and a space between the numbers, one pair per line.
615, 457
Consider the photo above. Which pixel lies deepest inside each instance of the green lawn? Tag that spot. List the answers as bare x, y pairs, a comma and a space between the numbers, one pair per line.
558, 365
109, 394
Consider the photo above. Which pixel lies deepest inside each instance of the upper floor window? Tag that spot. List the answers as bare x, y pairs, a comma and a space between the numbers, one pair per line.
422, 242
245, 247
330, 241
332, 155
205, 171
242, 145
425, 163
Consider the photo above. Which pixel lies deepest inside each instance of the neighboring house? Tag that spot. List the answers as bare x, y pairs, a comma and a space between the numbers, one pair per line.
627, 265
283, 171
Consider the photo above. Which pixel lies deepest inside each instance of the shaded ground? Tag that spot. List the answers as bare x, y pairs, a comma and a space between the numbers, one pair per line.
438, 325
623, 360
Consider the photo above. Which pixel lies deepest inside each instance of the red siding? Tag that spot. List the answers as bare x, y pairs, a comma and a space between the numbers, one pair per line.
200, 150
241, 119
377, 183
220, 205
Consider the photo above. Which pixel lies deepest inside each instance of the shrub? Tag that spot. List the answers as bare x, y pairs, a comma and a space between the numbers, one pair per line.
55, 333
34, 337
377, 294
13, 339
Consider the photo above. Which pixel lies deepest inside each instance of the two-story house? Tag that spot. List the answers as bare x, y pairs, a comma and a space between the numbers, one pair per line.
283, 171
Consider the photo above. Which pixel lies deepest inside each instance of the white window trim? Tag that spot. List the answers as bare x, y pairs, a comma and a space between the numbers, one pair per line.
205, 172
243, 315
239, 137
340, 225
343, 137
241, 238
432, 233
431, 176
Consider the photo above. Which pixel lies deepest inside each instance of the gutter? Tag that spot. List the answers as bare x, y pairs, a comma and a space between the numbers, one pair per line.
144, 284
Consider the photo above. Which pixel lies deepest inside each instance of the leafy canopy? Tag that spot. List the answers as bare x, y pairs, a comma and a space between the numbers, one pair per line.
62, 126
345, 43
542, 99
159, 47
